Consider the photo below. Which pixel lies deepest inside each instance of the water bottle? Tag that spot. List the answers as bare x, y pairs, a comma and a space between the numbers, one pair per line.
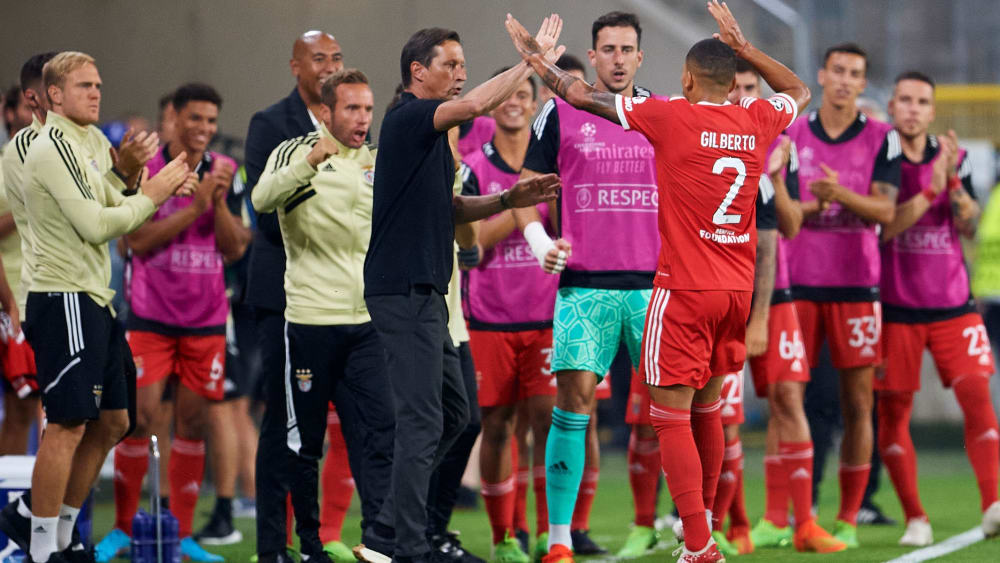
170, 543
143, 538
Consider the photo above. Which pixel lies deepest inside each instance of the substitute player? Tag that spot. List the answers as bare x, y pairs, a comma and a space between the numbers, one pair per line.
177, 324
851, 166
928, 305
608, 246
509, 307
74, 207
19, 362
706, 151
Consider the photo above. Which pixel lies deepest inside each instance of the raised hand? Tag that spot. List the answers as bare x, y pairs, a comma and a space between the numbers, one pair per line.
321, 151
542, 44
534, 190
135, 150
779, 157
729, 31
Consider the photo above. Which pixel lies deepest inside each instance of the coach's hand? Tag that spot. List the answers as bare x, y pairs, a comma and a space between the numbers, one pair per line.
729, 31
321, 151
534, 190
159, 188
544, 43
756, 338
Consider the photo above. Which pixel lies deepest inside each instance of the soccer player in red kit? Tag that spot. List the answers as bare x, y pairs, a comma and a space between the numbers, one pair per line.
709, 159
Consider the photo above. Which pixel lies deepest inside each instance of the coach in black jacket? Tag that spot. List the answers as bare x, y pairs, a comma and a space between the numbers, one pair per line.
315, 56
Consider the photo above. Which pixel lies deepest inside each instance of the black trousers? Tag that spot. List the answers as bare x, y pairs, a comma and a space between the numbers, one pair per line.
448, 478
344, 364
275, 467
431, 405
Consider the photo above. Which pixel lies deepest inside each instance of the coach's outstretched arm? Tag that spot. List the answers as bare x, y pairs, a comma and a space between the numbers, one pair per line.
488, 95
778, 76
575, 91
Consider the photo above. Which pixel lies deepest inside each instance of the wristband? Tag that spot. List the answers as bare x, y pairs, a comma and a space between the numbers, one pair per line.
929, 194
469, 257
954, 183
539, 241
504, 200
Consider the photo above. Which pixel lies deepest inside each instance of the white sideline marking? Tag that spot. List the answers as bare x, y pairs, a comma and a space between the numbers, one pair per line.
954, 543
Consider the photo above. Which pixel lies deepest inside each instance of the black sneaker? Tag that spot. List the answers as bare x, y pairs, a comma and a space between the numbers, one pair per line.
870, 514
15, 526
523, 538
449, 545
583, 545
79, 553
53, 558
281, 557
218, 531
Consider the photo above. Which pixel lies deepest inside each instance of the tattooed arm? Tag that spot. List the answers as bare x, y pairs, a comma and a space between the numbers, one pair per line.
576, 92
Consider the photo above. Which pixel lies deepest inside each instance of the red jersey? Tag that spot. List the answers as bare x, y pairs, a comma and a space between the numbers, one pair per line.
709, 159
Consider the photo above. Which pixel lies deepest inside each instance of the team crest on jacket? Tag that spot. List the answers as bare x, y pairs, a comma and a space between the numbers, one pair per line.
305, 376
370, 176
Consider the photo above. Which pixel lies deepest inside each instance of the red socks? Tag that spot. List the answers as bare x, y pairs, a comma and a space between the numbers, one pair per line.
776, 483
853, 480
706, 427
499, 500
585, 498
131, 463
738, 508
541, 504
796, 462
521, 498
187, 465
643, 475
728, 482
682, 464
338, 485
982, 438
896, 448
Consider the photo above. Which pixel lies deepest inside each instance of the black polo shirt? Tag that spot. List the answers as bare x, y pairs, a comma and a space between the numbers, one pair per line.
413, 226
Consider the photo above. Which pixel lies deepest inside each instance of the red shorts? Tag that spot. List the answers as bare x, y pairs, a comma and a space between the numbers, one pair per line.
511, 366
692, 335
198, 361
852, 329
637, 411
732, 399
785, 358
959, 347
603, 389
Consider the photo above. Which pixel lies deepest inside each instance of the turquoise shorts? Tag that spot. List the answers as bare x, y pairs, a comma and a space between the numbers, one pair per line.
590, 323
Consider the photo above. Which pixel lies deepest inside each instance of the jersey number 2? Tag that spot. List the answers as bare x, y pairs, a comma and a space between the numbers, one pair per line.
721, 217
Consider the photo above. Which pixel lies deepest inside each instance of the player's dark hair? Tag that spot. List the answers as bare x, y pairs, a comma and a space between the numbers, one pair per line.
31, 70
420, 48
712, 60
743, 66
850, 48
10, 99
328, 90
616, 19
915, 75
531, 80
195, 92
570, 63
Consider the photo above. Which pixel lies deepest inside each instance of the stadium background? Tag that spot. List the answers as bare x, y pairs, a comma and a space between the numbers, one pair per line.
146, 48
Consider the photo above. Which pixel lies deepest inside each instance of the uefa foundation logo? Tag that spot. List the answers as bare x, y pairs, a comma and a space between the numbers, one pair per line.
583, 198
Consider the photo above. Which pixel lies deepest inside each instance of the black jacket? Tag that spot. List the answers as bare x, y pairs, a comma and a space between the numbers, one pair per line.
284, 120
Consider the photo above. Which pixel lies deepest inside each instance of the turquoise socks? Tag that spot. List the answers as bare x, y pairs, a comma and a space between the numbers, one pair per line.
564, 459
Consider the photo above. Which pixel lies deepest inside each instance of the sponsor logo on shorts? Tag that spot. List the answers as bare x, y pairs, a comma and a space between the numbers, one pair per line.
305, 376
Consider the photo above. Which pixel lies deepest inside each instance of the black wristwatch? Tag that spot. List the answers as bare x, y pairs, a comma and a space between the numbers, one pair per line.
504, 201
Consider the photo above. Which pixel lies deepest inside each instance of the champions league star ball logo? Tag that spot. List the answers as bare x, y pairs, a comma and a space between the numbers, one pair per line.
588, 129
305, 377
